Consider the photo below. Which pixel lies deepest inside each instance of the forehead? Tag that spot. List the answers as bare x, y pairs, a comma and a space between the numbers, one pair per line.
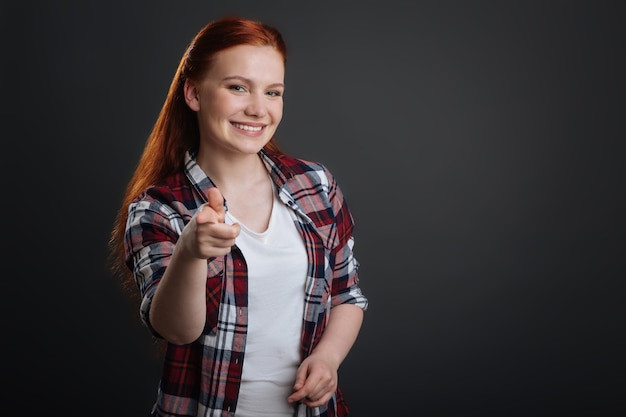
263, 62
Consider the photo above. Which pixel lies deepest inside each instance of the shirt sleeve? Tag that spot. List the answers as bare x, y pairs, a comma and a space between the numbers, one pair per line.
345, 281
152, 230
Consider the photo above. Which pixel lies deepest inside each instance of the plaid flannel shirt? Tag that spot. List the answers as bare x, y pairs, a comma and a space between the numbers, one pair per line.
202, 378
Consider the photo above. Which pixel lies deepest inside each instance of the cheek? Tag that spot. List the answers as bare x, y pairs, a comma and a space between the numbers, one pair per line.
223, 104
277, 112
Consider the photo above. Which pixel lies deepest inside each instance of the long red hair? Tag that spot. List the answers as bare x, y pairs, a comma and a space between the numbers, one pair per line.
176, 128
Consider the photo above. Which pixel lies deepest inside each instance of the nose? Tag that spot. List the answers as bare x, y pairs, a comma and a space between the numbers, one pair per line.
256, 105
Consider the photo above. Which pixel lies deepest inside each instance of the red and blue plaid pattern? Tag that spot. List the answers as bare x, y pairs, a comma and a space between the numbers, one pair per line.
202, 378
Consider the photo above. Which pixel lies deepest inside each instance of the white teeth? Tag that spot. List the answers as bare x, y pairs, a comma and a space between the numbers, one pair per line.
246, 127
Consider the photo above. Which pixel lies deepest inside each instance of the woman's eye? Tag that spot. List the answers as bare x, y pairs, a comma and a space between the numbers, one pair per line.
274, 93
237, 88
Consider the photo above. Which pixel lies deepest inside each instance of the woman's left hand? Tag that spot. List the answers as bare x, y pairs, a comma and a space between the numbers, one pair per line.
316, 381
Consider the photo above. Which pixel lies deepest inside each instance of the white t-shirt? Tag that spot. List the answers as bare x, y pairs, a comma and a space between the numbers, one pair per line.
277, 262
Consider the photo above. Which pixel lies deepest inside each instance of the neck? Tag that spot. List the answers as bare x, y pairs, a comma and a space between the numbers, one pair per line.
236, 176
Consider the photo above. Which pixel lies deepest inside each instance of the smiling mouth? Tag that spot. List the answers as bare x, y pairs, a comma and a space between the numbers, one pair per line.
248, 128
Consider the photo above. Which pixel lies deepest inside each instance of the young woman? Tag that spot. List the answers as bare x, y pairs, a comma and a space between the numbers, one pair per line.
242, 255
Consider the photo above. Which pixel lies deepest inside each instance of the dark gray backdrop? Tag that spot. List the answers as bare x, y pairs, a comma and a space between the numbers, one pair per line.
480, 145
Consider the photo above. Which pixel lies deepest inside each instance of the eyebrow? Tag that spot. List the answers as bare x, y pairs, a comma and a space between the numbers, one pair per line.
249, 81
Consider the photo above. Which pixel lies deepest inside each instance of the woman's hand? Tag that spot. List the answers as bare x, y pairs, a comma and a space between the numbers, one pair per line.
316, 378
316, 381
206, 235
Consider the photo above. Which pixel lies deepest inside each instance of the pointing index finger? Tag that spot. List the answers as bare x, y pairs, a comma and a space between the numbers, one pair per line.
213, 211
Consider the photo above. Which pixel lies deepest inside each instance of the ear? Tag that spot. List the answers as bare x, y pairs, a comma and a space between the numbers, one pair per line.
191, 95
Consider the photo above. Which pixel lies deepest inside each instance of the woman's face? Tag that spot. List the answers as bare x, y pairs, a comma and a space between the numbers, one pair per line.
240, 100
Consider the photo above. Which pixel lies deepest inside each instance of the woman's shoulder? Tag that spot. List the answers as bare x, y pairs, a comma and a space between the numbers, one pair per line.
293, 161
291, 166
170, 190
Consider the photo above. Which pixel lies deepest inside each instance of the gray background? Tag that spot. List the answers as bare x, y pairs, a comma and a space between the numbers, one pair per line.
480, 145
